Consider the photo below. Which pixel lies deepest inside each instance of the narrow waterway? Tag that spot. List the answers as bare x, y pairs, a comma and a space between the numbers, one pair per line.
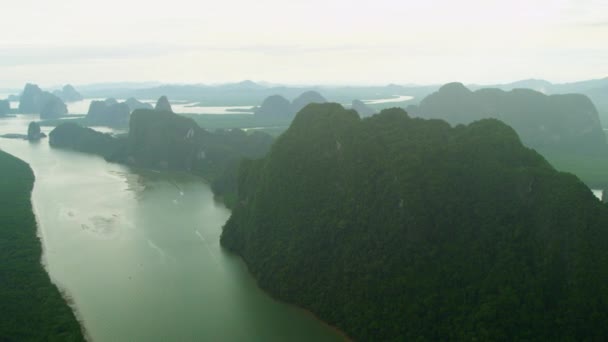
138, 253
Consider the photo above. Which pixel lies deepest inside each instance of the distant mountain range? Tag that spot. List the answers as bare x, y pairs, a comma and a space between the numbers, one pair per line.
596, 90
249, 92
253, 93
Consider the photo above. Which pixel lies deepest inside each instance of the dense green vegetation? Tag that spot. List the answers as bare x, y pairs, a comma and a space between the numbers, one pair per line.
31, 307
565, 123
393, 228
164, 140
72, 136
593, 170
595, 89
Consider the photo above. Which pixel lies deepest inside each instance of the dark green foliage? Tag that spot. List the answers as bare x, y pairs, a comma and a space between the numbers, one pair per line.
591, 169
557, 122
393, 228
31, 307
224, 151
75, 137
164, 140
167, 141
362, 109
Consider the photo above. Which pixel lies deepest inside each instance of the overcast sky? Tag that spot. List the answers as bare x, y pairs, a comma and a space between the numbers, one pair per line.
303, 42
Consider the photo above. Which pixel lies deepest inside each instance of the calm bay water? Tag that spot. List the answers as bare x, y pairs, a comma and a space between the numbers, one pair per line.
180, 107
185, 107
396, 98
138, 253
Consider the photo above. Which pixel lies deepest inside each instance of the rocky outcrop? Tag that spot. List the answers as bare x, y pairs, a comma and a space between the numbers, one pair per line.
427, 232
31, 99
363, 109
52, 107
134, 104
163, 140
108, 113
163, 105
559, 122
305, 99
275, 106
33, 132
72, 136
68, 94
35, 101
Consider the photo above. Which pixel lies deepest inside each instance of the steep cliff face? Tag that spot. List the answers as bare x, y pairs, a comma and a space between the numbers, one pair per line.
163, 105
164, 140
161, 139
394, 228
31, 99
52, 107
35, 101
108, 113
565, 122
33, 132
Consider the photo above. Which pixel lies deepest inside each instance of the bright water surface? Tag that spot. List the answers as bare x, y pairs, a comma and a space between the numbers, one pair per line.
185, 107
138, 253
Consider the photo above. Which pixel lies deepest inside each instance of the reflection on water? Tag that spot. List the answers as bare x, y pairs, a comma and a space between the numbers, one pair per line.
138, 253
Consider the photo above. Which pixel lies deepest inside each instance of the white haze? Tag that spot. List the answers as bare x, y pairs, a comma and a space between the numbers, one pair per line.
313, 41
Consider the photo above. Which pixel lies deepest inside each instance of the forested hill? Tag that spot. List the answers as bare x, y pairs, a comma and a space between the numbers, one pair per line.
393, 228
31, 307
568, 122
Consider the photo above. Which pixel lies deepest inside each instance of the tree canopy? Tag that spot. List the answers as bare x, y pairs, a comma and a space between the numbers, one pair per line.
399, 228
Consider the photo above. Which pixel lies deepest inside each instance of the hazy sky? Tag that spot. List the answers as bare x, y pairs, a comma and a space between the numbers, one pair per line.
312, 41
